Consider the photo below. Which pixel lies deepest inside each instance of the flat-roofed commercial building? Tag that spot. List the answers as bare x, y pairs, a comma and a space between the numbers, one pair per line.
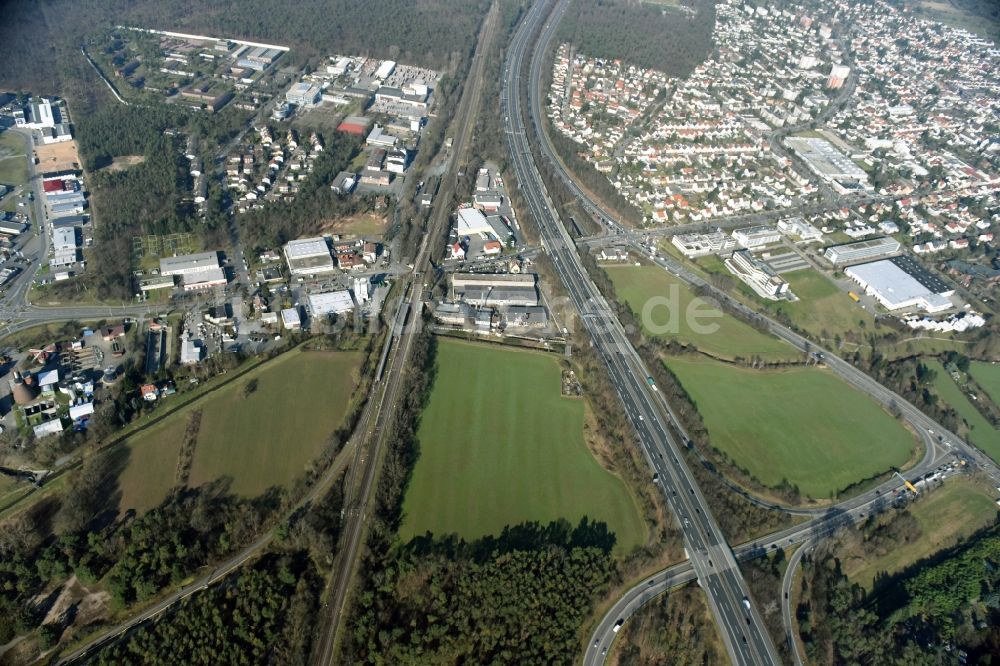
198, 271
309, 256
187, 264
304, 94
757, 275
331, 302
900, 282
699, 245
825, 160
861, 251
494, 289
759, 236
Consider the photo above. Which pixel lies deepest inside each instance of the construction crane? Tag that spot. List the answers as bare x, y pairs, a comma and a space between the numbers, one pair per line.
909, 486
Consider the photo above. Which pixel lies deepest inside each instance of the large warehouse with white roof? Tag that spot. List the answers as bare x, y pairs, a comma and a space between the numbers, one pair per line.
331, 302
309, 256
900, 282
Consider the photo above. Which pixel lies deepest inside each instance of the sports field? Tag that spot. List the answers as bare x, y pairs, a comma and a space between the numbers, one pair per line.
987, 375
263, 439
945, 515
802, 424
981, 432
499, 445
638, 286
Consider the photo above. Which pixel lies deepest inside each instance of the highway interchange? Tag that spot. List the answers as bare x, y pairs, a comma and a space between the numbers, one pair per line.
711, 562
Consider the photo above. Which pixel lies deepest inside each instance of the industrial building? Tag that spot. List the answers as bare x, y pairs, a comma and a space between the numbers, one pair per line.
290, 319
380, 139
64, 247
198, 271
309, 256
526, 316
304, 94
37, 114
861, 251
332, 302
759, 236
826, 161
494, 290
699, 245
900, 282
190, 350
757, 275
453, 314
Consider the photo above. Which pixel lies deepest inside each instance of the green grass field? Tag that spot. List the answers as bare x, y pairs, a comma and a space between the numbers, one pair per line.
152, 462
265, 439
499, 446
637, 285
946, 515
822, 308
270, 437
803, 424
13, 160
981, 432
987, 375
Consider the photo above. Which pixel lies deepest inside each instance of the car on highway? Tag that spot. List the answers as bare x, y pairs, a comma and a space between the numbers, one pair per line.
618, 625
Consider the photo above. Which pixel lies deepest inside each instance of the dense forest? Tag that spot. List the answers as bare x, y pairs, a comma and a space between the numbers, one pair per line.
667, 39
264, 614
918, 616
517, 598
41, 39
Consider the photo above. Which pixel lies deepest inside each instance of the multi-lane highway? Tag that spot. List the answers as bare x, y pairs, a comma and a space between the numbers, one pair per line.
712, 560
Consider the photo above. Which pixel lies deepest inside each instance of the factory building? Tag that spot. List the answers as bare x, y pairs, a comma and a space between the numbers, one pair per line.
309, 256
494, 290
332, 302
198, 271
861, 251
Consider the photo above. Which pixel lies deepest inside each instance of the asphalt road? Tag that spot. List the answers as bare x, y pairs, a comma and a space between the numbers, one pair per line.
712, 560
723, 586
852, 375
787, 598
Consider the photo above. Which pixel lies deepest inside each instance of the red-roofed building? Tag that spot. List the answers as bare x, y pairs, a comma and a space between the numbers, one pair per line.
148, 392
52, 185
